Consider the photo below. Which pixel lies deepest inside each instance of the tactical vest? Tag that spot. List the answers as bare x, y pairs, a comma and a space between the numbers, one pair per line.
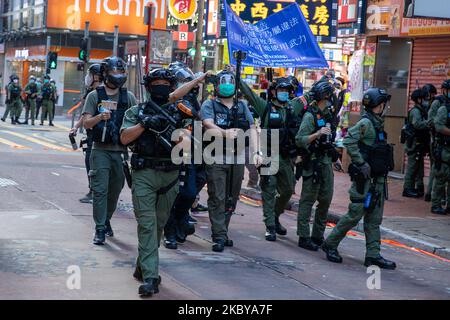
33, 89
14, 91
148, 145
380, 156
231, 118
287, 128
47, 91
113, 125
422, 136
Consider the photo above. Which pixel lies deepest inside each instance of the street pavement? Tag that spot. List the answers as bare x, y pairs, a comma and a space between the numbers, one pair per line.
46, 233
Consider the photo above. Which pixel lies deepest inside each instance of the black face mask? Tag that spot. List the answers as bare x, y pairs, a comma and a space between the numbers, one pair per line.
160, 93
115, 81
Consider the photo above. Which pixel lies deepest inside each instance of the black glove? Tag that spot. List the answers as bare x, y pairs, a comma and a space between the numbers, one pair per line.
365, 170
152, 122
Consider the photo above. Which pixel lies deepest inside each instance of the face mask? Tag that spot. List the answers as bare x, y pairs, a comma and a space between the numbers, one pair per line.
116, 80
46, 81
226, 90
160, 93
88, 80
16, 81
425, 103
283, 96
32, 81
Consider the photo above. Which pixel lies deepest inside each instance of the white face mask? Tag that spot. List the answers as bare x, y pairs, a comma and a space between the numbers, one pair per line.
88, 80
16, 81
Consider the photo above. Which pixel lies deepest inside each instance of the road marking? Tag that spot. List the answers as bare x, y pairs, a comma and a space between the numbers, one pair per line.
7, 182
61, 127
42, 143
43, 138
14, 145
72, 167
55, 174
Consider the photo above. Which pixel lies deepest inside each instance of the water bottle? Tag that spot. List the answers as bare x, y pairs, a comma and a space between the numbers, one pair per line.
328, 139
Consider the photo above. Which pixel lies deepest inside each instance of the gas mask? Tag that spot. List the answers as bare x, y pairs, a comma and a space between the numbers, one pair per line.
227, 87
115, 81
160, 93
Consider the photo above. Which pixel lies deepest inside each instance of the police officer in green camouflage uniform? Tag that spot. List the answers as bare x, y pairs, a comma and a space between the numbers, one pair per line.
32, 91
13, 100
442, 152
280, 113
417, 145
315, 138
225, 121
430, 92
103, 112
48, 94
372, 159
154, 176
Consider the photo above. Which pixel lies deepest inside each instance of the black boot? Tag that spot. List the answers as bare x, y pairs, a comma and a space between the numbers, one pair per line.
218, 245
380, 262
271, 234
438, 210
307, 244
149, 287
108, 229
420, 191
228, 243
51, 124
99, 238
138, 274
17, 121
427, 197
317, 241
410, 193
170, 234
332, 254
279, 229
13, 121
87, 198
447, 210
3, 119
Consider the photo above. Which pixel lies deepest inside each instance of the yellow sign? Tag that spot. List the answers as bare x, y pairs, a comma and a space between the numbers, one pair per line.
183, 9
249, 70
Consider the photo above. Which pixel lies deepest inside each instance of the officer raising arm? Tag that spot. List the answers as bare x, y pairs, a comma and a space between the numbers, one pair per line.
372, 159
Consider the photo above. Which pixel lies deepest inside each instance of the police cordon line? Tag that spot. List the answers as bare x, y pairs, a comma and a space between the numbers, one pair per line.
298, 141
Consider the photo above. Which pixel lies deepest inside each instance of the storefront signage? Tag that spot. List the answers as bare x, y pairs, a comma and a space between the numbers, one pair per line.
183, 9
321, 15
377, 17
351, 27
348, 11
161, 50
22, 54
103, 15
439, 67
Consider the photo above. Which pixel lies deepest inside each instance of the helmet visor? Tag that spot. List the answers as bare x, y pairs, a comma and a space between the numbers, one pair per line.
226, 79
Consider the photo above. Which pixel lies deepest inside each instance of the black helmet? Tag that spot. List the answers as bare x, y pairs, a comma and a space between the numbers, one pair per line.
294, 82
418, 94
111, 64
13, 77
446, 84
374, 96
322, 90
182, 74
159, 74
95, 69
429, 89
284, 83
177, 64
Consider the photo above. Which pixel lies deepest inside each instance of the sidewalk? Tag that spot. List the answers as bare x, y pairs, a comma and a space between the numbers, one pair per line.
408, 221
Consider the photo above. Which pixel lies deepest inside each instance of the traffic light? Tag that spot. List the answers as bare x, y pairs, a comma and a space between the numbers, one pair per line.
52, 60
83, 55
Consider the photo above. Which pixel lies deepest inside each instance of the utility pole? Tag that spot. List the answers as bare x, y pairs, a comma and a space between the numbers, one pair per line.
86, 36
116, 40
47, 50
199, 37
148, 17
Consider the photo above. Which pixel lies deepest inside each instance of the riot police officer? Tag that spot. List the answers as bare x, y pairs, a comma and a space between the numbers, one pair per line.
192, 176
93, 79
372, 159
225, 121
32, 91
430, 92
103, 112
416, 145
154, 176
48, 95
315, 138
13, 100
282, 114
442, 151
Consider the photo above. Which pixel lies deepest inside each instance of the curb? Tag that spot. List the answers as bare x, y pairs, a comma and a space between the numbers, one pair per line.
334, 217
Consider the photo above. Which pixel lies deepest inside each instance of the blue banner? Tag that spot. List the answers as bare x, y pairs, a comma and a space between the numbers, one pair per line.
283, 39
